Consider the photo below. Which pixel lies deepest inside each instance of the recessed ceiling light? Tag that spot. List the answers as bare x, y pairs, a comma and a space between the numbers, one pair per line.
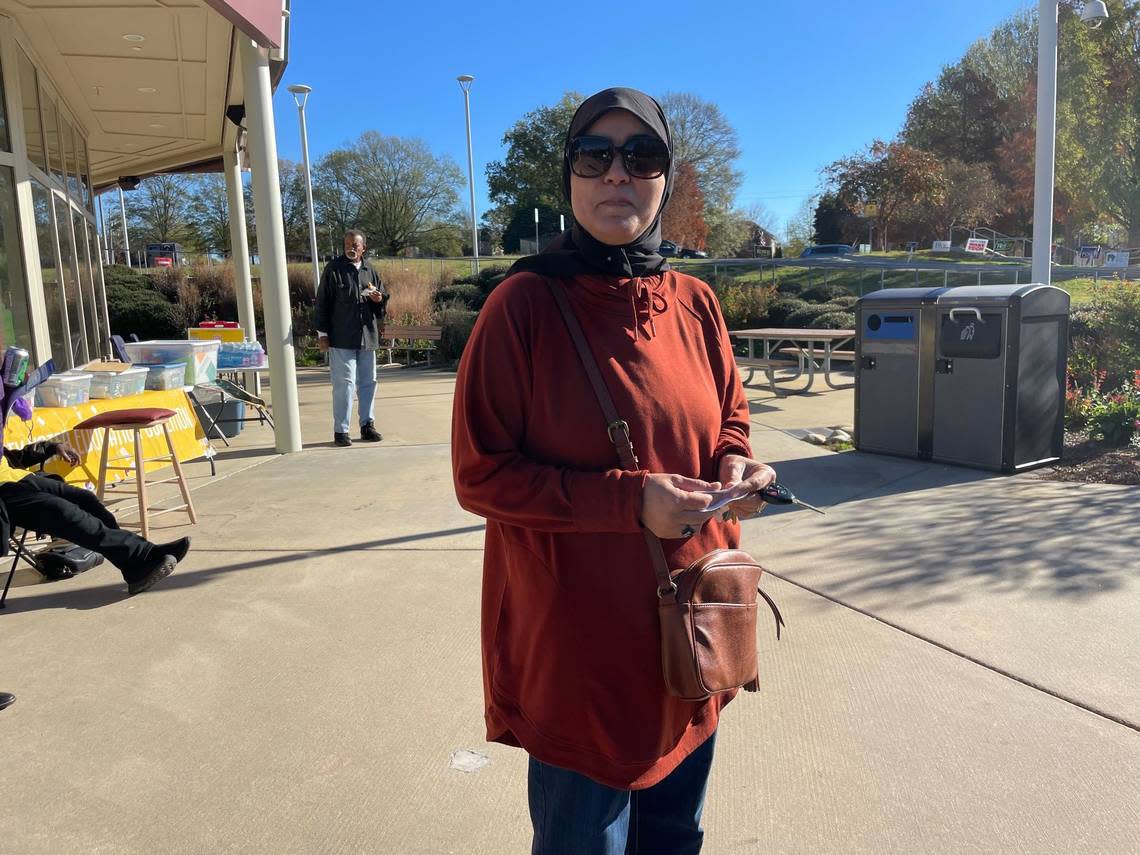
137, 49
147, 90
133, 37
155, 125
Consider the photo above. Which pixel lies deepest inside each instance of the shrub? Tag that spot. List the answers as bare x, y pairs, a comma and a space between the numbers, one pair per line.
844, 304
168, 282
833, 320
804, 317
457, 324
1105, 336
824, 293
791, 287
1113, 417
467, 295
781, 309
743, 304
144, 313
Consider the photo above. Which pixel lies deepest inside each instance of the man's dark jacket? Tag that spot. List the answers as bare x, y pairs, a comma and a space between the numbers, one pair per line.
349, 319
22, 458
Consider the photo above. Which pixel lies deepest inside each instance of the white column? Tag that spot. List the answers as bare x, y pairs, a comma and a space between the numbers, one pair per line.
1046, 140
239, 256
261, 143
239, 244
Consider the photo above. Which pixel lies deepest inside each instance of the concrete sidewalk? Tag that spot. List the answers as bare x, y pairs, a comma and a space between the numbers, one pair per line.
960, 674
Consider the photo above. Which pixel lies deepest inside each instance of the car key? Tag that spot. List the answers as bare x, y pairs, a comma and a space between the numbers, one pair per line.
778, 494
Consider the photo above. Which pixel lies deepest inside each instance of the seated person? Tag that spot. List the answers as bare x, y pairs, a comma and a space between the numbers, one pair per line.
46, 505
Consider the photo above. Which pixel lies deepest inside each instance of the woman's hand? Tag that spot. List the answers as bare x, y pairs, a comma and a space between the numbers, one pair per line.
746, 476
671, 505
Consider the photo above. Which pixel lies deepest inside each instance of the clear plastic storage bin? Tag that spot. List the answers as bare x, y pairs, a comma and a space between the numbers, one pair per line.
118, 384
64, 390
201, 357
165, 375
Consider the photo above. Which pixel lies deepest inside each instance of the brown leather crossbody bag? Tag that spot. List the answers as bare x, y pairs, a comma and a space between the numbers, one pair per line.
707, 611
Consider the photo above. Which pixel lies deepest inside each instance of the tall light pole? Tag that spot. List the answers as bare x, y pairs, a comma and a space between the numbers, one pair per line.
465, 81
300, 96
536, 250
1093, 14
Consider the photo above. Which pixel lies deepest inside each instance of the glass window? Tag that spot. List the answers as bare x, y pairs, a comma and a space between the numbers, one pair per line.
69, 274
33, 130
15, 322
51, 136
87, 282
5, 140
58, 332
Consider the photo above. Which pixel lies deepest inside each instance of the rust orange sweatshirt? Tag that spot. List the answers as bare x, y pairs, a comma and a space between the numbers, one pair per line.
571, 658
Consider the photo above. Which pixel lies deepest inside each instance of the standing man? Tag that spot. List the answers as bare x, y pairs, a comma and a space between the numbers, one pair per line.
351, 302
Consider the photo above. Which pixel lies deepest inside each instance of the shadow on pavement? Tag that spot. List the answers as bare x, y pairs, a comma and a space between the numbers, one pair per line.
94, 598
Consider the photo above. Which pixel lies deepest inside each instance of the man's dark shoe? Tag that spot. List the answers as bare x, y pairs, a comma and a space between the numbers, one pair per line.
159, 568
6, 700
177, 548
342, 440
368, 433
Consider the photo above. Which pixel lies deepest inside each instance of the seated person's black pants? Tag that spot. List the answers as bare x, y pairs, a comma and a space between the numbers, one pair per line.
49, 506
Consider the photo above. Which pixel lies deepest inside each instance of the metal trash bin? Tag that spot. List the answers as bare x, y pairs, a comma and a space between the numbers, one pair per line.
999, 376
894, 362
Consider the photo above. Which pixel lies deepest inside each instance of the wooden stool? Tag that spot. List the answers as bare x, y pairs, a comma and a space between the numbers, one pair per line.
136, 421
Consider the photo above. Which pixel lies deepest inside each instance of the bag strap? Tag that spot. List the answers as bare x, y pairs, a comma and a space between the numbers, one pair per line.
618, 431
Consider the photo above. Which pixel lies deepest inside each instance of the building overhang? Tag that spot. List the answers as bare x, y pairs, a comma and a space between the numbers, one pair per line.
148, 83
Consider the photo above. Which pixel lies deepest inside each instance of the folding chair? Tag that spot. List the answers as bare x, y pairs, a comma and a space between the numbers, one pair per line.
17, 546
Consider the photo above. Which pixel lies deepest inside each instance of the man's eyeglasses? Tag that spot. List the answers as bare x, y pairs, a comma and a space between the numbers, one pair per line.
643, 156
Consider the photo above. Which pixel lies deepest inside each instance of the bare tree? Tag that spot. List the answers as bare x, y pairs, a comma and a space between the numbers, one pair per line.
703, 136
406, 192
160, 210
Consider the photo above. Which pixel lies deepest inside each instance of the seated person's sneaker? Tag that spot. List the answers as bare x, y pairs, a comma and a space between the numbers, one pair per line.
177, 548
155, 570
342, 440
6, 700
368, 433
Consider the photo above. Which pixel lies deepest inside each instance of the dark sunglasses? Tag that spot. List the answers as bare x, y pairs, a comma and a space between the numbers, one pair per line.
643, 156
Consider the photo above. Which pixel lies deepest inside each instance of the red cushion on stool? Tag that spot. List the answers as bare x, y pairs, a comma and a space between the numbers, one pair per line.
141, 417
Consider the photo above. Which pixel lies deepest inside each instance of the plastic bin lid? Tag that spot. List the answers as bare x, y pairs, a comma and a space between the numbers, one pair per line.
198, 343
69, 377
160, 366
134, 369
903, 295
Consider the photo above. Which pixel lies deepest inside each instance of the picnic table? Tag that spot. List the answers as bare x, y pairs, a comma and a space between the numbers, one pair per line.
801, 344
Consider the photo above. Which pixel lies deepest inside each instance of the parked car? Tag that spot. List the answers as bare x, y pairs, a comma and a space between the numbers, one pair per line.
668, 249
693, 253
827, 249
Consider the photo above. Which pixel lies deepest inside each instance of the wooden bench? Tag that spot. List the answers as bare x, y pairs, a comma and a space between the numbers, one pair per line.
409, 339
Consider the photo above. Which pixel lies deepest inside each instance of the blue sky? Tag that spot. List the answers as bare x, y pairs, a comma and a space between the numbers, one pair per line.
802, 82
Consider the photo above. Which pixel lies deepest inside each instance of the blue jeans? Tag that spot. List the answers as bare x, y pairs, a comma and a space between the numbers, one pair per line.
573, 815
352, 369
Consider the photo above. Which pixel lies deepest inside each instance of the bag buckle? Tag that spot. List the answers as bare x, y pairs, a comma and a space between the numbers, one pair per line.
620, 424
663, 592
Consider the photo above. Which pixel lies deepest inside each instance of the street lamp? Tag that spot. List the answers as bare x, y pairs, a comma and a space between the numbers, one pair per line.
465, 81
300, 96
1093, 14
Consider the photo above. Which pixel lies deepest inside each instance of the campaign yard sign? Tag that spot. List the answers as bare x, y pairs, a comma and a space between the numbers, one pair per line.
977, 244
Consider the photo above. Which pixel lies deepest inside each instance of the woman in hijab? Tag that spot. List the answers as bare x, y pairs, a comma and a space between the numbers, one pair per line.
571, 652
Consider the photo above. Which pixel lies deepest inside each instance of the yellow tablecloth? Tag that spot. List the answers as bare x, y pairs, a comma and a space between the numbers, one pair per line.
58, 423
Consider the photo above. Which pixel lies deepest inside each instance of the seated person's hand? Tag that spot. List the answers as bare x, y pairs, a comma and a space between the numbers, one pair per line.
747, 477
323, 343
67, 453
